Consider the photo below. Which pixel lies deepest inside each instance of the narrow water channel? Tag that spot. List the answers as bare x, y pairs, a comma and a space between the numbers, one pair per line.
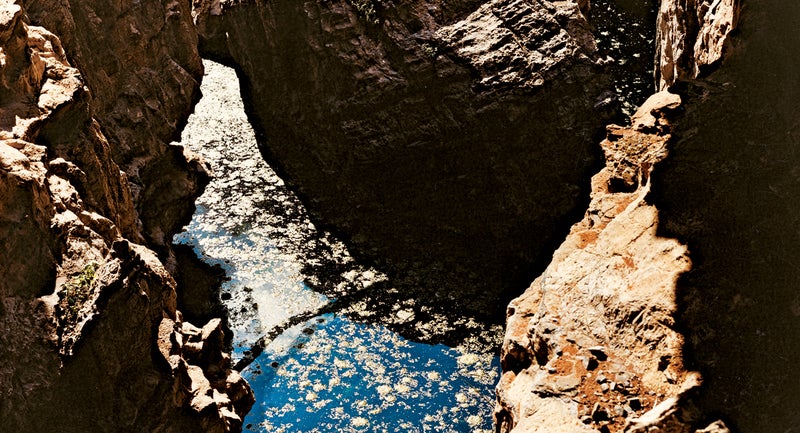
320, 363
625, 31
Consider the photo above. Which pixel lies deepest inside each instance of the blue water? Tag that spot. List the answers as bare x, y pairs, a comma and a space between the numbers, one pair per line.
329, 373
347, 377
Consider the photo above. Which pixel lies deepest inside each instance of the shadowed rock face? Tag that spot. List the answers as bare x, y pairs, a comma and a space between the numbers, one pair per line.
448, 142
140, 62
730, 190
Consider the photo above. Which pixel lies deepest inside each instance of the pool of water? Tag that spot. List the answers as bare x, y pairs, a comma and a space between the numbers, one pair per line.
319, 362
331, 374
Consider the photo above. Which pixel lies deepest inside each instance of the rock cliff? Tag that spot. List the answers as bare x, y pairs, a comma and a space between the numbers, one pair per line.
90, 335
729, 190
446, 140
673, 302
592, 344
449, 141
691, 37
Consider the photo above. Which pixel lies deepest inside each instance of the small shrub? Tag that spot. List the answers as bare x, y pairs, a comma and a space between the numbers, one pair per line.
76, 291
367, 9
430, 50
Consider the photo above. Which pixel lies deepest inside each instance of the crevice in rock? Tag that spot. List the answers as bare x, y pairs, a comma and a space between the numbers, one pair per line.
199, 285
620, 191
447, 211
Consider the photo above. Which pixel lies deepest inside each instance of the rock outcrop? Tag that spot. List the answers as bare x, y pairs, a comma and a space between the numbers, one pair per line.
141, 63
622, 303
447, 141
592, 345
691, 37
83, 301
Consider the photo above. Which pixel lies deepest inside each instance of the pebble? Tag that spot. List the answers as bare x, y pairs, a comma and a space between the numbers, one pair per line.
589, 362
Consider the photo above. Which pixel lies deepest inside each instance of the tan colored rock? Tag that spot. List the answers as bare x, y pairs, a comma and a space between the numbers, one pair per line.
675, 414
142, 68
715, 427
83, 303
730, 189
596, 329
691, 37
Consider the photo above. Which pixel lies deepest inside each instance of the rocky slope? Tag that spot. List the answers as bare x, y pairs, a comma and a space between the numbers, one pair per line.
446, 140
682, 262
90, 335
592, 344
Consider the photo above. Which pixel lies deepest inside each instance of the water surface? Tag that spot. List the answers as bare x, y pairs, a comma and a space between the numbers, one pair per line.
625, 32
321, 362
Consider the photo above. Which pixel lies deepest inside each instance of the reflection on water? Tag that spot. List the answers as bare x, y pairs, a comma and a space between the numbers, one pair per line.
322, 372
626, 31
332, 374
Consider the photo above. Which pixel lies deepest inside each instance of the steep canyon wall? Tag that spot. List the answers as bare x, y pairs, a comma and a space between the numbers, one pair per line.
451, 143
730, 191
90, 335
710, 190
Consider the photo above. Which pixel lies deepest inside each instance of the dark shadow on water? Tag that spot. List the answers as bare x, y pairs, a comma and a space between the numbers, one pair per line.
409, 281
199, 289
731, 190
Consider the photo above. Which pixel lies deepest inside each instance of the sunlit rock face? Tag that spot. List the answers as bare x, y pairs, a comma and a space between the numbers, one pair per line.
692, 37
90, 335
447, 141
591, 345
141, 64
719, 214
